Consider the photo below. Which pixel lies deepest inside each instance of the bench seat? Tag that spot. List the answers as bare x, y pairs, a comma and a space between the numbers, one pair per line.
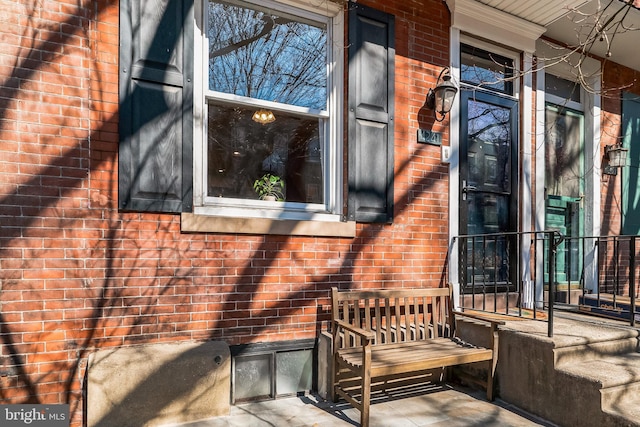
415, 356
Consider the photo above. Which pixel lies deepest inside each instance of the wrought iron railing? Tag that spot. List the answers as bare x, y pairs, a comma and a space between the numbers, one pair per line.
530, 274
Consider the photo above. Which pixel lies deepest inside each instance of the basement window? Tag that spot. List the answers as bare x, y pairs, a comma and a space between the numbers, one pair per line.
267, 371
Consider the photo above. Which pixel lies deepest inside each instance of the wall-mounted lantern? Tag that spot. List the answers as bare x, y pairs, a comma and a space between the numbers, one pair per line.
440, 99
616, 158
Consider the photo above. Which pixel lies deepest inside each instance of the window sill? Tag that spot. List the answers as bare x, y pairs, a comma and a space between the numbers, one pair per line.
194, 223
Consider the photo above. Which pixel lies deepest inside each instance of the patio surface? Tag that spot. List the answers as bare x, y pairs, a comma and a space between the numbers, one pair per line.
448, 405
435, 406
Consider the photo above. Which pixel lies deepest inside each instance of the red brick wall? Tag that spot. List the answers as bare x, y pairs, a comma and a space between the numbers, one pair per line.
77, 275
45, 61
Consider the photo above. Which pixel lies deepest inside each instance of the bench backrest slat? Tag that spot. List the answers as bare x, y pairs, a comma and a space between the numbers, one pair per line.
394, 315
435, 318
407, 320
387, 324
397, 310
378, 321
416, 320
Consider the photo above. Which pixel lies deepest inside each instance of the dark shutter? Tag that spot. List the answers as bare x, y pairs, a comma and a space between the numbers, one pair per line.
156, 117
371, 101
630, 175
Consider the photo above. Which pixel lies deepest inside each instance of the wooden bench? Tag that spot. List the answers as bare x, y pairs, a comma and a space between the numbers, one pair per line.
387, 335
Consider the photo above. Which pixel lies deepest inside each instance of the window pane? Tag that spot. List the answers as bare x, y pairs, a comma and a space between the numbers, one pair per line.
489, 150
294, 371
240, 151
252, 379
562, 88
563, 154
260, 54
486, 69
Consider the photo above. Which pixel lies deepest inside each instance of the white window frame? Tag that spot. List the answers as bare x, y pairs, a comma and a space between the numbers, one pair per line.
331, 211
514, 56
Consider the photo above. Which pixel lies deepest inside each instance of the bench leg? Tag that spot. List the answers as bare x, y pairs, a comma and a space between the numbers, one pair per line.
366, 383
492, 367
490, 384
366, 400
447, 374
335, 379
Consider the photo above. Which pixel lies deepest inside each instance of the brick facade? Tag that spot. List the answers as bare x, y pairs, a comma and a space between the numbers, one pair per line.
77, 275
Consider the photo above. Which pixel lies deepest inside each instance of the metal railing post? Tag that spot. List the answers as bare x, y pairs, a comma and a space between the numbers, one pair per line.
632, 279
552, 281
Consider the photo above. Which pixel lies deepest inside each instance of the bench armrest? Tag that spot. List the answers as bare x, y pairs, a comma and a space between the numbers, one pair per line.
363, 333
494, 323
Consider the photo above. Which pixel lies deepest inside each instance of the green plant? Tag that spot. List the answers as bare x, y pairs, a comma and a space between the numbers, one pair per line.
269, 186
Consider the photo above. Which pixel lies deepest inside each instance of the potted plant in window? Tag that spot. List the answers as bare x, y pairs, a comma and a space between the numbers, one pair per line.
269, 187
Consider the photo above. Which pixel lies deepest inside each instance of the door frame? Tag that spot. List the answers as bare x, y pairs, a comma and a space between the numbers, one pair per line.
592, 157
523, 93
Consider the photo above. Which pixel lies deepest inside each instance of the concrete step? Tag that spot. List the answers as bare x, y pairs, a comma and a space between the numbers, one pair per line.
575, 354
608, 371
582, 376
612, 386
623, 406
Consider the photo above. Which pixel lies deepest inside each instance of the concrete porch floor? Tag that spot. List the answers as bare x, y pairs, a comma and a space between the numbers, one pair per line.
433, 406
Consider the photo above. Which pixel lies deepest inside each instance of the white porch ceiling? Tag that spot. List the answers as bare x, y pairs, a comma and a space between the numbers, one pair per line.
624, 46
561, 18
541, 12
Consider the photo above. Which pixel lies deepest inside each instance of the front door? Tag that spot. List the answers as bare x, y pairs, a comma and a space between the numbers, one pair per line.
564, 187
488, 182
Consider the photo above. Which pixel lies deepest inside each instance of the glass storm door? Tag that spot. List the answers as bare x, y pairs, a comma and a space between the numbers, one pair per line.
564, 186
488, 186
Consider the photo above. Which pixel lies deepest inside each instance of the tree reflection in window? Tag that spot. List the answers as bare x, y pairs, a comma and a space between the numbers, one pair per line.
487, 70
273, 57
259, 54
489, 143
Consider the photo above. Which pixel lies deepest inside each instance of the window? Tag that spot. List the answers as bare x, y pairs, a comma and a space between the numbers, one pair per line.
217, 95
565, 90
271, 370
276, 61
485, 69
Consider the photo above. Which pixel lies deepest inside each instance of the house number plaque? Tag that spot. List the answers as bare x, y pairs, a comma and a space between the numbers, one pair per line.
429, 137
